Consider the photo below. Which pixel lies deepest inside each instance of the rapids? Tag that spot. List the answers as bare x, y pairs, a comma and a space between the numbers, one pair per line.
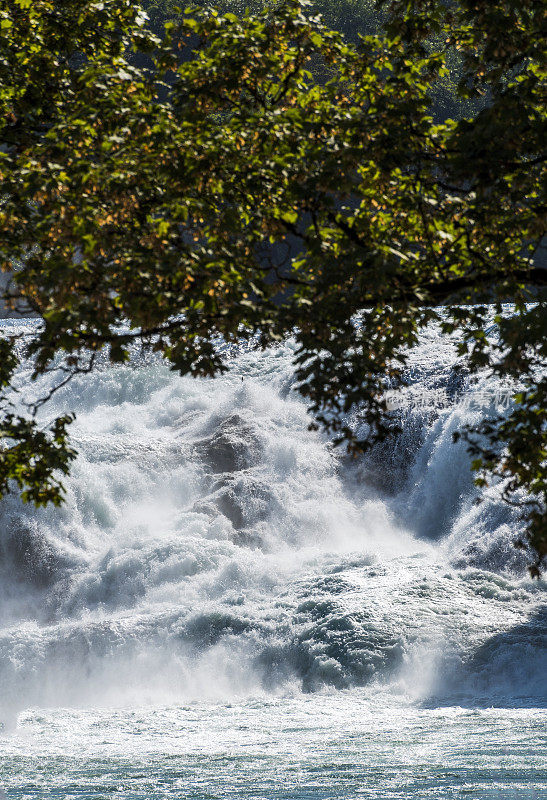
221, 578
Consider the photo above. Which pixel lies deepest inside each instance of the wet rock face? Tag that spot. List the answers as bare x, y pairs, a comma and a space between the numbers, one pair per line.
232, 446
233, 456
27, 555
243, 499
34, 575
387, 466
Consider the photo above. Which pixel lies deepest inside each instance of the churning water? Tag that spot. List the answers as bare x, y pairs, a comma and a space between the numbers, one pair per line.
226, 607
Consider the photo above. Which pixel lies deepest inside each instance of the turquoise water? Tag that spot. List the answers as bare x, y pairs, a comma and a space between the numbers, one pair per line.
346, 745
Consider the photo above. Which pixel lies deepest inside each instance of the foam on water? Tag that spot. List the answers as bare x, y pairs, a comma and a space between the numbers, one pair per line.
214, 550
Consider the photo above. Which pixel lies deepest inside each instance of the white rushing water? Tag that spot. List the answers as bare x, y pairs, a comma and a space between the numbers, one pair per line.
226, 607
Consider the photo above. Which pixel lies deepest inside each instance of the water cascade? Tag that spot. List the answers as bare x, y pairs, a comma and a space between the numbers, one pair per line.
215, 554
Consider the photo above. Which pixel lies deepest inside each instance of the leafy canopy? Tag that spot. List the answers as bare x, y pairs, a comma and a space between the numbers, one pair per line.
257, 176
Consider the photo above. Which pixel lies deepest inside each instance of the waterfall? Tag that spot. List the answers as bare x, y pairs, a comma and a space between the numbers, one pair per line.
211, 546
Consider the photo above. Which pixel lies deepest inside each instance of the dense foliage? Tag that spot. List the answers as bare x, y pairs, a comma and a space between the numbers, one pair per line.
353, 19
258, 175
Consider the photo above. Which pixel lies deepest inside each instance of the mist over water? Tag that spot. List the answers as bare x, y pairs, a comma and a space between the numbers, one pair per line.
221, 578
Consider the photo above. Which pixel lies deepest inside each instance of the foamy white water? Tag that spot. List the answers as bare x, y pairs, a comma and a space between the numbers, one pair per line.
226, 607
